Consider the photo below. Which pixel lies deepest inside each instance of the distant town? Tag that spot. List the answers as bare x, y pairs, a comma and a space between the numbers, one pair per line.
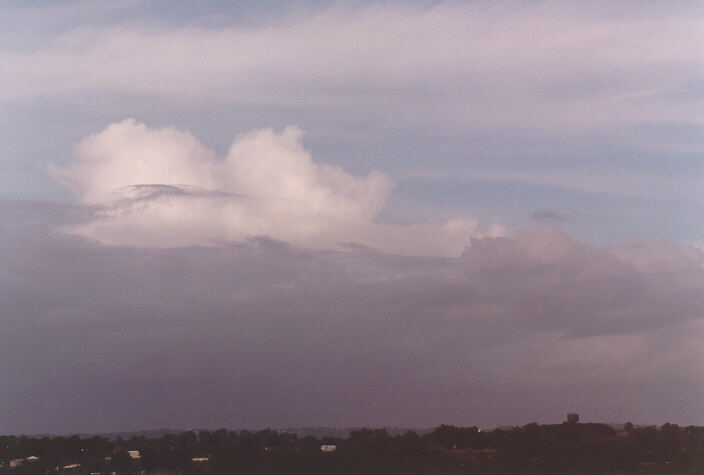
571, 447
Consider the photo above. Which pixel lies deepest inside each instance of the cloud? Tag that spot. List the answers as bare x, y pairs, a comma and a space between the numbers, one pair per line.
660, 256
519, 328
547, 66
551, 216
542, 272
567, 99
129, 153
634, 184
162, 188
261, 287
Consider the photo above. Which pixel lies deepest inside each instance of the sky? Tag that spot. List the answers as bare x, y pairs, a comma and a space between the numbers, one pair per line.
281, 214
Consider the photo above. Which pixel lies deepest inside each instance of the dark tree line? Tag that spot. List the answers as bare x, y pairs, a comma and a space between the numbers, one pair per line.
568, 448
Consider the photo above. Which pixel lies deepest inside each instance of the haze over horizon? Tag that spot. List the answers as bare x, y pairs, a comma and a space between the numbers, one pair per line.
345, 215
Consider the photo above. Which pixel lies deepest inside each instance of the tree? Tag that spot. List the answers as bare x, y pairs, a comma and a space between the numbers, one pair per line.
121, 461
572, 418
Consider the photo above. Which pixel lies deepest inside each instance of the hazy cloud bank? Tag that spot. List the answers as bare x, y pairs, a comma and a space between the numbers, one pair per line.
263, 333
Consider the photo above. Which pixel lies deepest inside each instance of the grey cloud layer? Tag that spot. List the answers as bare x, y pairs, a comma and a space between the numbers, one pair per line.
263, 333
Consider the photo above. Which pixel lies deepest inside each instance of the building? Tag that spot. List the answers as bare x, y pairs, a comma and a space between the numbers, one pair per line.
18, 462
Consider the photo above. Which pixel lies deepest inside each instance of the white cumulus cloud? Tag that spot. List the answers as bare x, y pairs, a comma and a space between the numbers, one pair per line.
163, 188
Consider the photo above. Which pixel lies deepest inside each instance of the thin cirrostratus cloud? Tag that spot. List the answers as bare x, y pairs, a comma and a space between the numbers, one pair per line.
590, 74
631, 184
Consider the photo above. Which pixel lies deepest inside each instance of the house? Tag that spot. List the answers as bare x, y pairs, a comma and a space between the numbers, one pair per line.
18, 462
328, 448
471, 455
